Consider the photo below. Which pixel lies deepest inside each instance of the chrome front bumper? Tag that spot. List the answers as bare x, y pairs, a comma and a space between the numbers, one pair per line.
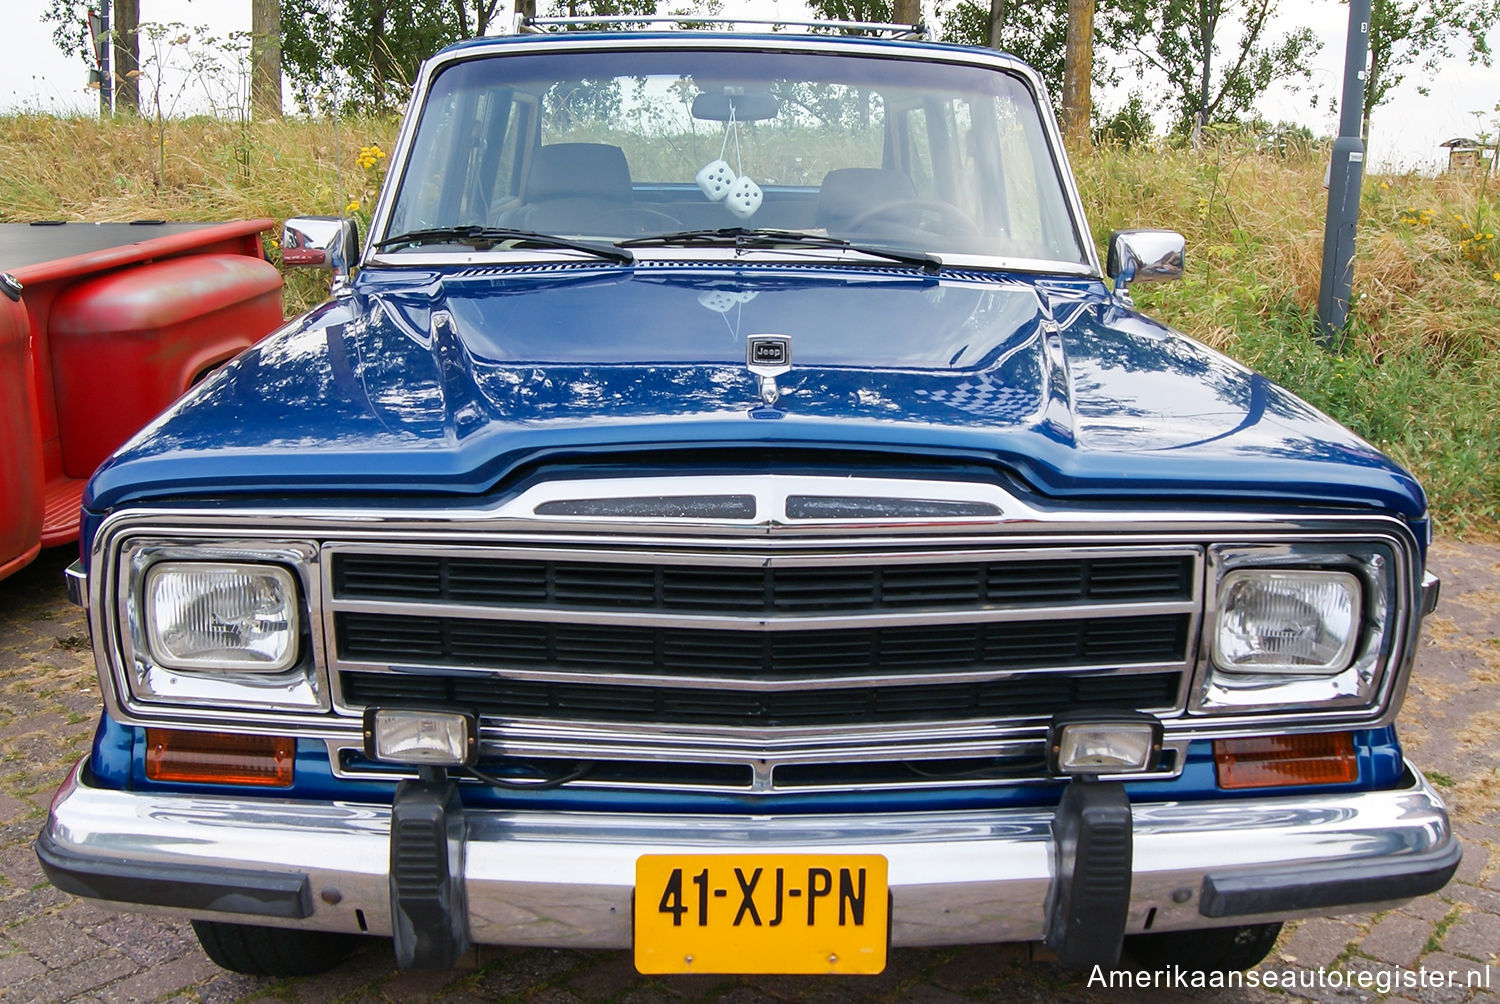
566, 879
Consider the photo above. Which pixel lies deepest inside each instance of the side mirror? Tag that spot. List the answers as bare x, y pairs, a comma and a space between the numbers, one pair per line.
330, 242
1144, 256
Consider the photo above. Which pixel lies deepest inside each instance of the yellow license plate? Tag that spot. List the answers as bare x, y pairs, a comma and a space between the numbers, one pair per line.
760, 913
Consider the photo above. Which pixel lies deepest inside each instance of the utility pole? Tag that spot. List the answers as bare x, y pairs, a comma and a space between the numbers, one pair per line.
906, 12
1345, 173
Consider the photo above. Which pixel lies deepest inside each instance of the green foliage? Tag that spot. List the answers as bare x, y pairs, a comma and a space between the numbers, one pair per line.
1035, 32
1218, 56
1422, 33
1127, 128
70, 30
364, 54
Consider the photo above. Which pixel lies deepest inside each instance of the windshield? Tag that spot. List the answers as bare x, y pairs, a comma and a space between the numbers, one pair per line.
612, 146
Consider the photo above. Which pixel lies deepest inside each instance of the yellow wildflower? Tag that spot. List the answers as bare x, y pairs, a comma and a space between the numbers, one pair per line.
352, 207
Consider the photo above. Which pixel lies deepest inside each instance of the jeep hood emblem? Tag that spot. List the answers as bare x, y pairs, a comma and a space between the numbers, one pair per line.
768, 356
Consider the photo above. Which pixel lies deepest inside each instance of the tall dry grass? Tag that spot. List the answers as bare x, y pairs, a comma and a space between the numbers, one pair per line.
1420, 375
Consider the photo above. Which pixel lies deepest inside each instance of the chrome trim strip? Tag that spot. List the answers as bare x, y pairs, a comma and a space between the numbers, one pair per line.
762, 763
621, 41
646, 618
567, 879
626, 678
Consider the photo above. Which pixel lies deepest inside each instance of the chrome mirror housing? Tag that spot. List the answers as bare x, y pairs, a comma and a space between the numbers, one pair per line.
330, 242
1144, 256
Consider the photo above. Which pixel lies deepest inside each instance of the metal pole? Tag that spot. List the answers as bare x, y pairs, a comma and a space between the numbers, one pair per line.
1345, 173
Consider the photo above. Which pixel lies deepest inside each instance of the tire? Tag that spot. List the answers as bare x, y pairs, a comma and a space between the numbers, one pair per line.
272, 951
1215, 950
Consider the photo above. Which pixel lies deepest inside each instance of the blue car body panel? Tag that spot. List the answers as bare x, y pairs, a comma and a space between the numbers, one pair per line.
1052, 382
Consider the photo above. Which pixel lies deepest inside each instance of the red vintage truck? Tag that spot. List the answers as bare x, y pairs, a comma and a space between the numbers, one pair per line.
101, 326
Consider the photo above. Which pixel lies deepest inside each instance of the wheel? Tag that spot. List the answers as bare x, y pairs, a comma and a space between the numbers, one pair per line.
911, 213
272, 951
1215, 950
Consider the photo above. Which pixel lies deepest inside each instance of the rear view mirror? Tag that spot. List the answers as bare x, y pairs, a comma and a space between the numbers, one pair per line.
755, 106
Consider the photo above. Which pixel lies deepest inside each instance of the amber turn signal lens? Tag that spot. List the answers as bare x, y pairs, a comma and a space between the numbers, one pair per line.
1274, 761
219, 758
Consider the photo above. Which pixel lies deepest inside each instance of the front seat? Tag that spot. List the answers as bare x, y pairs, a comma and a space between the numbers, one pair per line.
849, 192
574, 188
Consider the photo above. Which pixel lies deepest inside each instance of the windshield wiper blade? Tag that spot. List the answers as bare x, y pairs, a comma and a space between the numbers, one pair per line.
484, 238
751, 237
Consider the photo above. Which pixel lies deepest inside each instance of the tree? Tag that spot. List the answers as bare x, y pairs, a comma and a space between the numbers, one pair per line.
364, 54
265, 58
1035, 32
1405, 33
126, 29
1184, 39
1078, 72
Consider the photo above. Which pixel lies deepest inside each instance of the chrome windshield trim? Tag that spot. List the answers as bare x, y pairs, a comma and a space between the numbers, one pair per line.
688, 257
519, 45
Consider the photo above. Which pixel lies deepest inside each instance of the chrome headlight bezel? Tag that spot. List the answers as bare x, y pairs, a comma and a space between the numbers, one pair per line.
149, 680
1357, 681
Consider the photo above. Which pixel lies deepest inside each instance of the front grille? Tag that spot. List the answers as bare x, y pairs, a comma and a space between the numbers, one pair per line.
814, 664
751, 656
696, 589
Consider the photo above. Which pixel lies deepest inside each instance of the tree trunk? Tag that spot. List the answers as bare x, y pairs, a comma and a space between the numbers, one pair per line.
906, 11
1078, 72
127, 46
997, 23
265, 59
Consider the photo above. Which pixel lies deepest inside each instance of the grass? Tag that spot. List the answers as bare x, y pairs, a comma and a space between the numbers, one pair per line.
1419, 375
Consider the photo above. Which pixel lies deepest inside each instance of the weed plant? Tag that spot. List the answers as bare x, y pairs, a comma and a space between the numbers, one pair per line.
1418, 375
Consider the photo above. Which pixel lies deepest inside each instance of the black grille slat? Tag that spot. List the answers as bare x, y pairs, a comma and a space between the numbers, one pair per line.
1023, 698
1104, 641
585, 585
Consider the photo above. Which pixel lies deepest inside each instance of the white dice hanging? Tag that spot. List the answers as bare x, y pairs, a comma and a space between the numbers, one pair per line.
715, 179
744, 198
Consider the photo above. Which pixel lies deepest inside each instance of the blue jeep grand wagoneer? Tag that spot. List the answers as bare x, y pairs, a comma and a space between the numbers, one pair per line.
724, 512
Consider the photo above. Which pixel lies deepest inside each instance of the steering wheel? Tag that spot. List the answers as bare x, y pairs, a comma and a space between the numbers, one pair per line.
912, 213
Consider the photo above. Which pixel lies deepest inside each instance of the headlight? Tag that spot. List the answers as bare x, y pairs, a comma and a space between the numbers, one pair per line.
213, 616
1296, 621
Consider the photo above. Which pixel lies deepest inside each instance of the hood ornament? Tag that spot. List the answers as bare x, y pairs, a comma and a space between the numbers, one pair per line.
768, 357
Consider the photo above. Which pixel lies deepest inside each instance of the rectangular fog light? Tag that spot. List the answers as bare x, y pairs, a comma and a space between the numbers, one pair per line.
1090, 743
421, 736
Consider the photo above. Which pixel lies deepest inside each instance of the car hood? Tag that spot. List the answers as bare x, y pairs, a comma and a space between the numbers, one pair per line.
449, 382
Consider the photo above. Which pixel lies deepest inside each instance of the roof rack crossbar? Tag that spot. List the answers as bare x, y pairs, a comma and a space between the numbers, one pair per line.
537, 25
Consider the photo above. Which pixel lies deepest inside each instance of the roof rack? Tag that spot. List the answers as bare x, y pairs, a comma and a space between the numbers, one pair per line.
526, 25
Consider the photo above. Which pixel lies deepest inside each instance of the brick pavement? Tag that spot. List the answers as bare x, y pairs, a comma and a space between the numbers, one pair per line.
57, 948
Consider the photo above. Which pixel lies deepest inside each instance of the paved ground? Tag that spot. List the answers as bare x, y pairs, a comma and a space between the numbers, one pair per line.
56, 948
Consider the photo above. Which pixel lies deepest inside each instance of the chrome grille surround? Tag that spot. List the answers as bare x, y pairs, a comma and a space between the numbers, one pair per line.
771, 540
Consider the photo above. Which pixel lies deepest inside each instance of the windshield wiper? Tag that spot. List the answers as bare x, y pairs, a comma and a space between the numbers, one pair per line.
751, 237
485, 238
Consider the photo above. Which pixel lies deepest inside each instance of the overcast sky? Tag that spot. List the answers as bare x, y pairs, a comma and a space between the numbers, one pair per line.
1405, 131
